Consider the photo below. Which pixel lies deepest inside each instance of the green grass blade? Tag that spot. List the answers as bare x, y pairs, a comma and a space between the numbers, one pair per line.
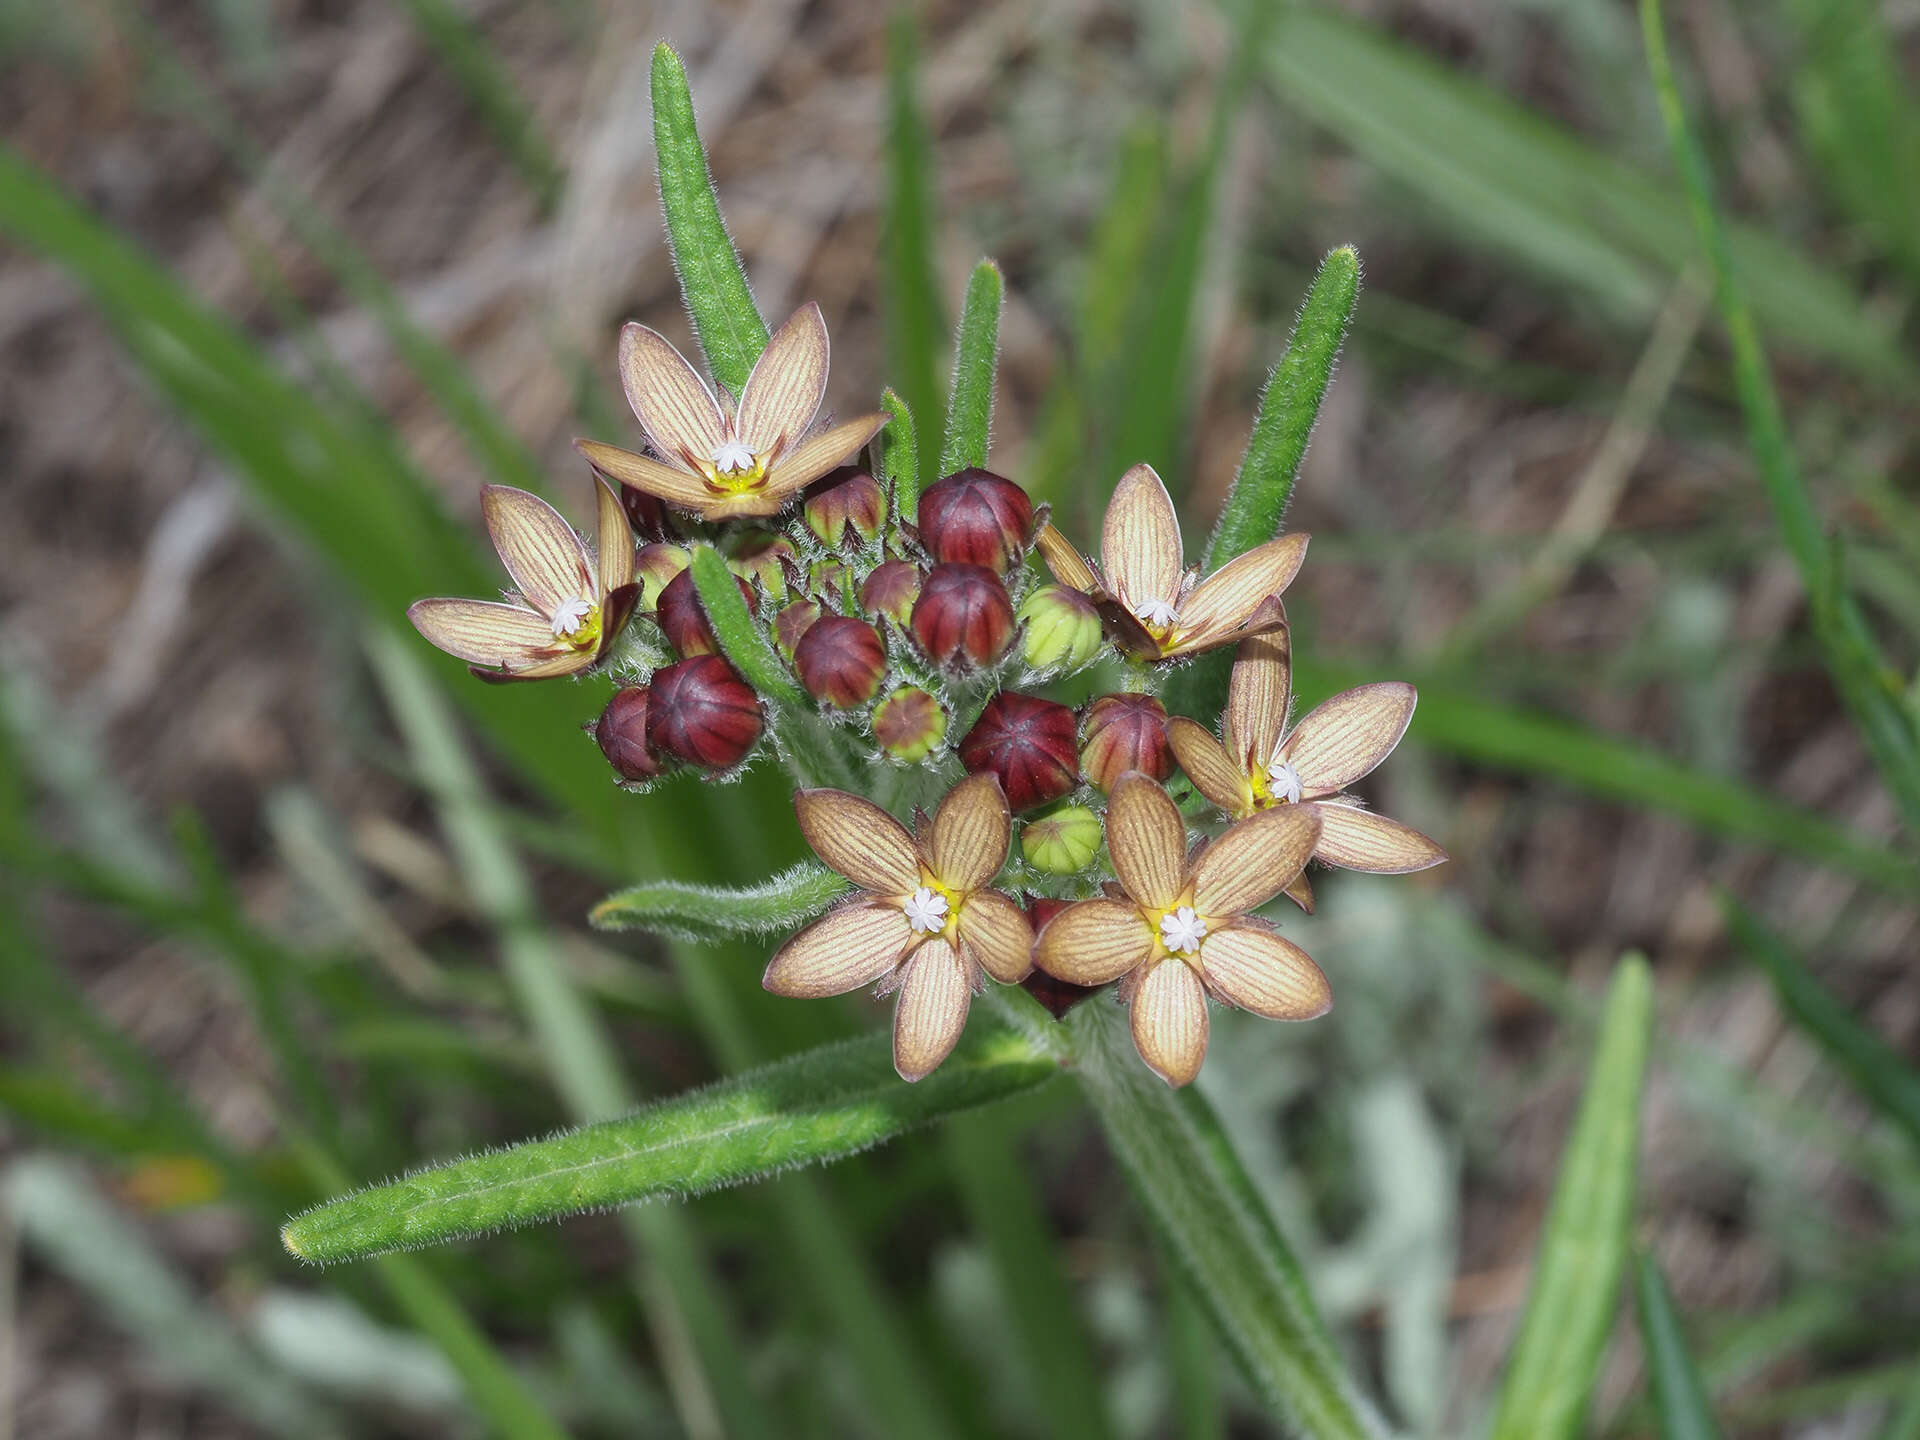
1877, 706
900, 456
1904, 1422
1679, 1396
1527, 189
1577, 1273
729, 324
1533, 744
1053, 1342
1261, 1312
492, 93
712, 914
1885, 1077
817, 1107
976, 358
914, 315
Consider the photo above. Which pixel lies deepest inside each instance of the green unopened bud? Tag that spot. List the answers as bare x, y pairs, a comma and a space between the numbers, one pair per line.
909, 724
1062, 629
1064, 843
763, 557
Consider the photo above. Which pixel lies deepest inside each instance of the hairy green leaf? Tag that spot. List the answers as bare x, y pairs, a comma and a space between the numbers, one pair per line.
1679, 1396
1577, 1272
731, 330
709, 914
976, 356
820, 1106
741, 640
900, 456
1262, 1311
1886, 1078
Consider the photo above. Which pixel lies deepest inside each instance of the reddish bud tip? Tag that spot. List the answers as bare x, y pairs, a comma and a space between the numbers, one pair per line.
841, 661
792, 623
974, 517
964, 616
891, 590
845, 508
700, 711
684, 619
622, 735
1027, 743
909, 723
1122, 733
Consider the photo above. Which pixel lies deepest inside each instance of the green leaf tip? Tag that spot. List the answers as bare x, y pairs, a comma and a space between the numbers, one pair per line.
976, 358
712, 279
709, 914
1679, 1395
820, 1106
1588, 1234
900, 455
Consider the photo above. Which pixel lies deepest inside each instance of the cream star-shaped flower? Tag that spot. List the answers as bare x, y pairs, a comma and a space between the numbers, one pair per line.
1154, 608
924, 922
1258, 763
570, 606
1179, 931
724, 465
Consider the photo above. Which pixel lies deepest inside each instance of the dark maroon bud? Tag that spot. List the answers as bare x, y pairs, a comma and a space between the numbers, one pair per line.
1122, 733
891, 590
793, 622
621, 733
963, 616
684, 619
646, 514
975, 517
1027, 743
841, 661
845, 507
1059, 996
701, 712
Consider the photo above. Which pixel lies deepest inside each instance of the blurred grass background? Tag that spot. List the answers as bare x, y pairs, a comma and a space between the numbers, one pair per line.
281, 284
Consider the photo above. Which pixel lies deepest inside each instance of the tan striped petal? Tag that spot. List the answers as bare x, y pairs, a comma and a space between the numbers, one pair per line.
546, 559
1254, 860
994, 934
484, 632
1259, 971
1170, 1021
1147, 839
1258, 697
1140, 544
1205, 761
612, 539
1094, 941
649, 476
544, 667
1357, 839
788, 382
1344, 738
669, 399
853, 945
1233, 595
932, 1011
1300, 892
967, 842
860, 840
1066, 562
812, 458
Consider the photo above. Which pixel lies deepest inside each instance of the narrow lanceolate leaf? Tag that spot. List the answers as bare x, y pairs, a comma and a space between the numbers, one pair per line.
976, 356
711, 276
1237, 1264
740, 639
707, 914
821, 1106
1871, 691
1576, 1274
915, 325
900, 455
1884, 1077
1679, 1397
1288, 408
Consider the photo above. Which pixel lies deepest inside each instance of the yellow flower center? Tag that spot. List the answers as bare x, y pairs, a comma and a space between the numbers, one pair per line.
576, 625
1177, 930
735, 469
933, 909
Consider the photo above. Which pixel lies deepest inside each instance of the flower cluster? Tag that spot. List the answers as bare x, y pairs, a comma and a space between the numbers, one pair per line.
915, 647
